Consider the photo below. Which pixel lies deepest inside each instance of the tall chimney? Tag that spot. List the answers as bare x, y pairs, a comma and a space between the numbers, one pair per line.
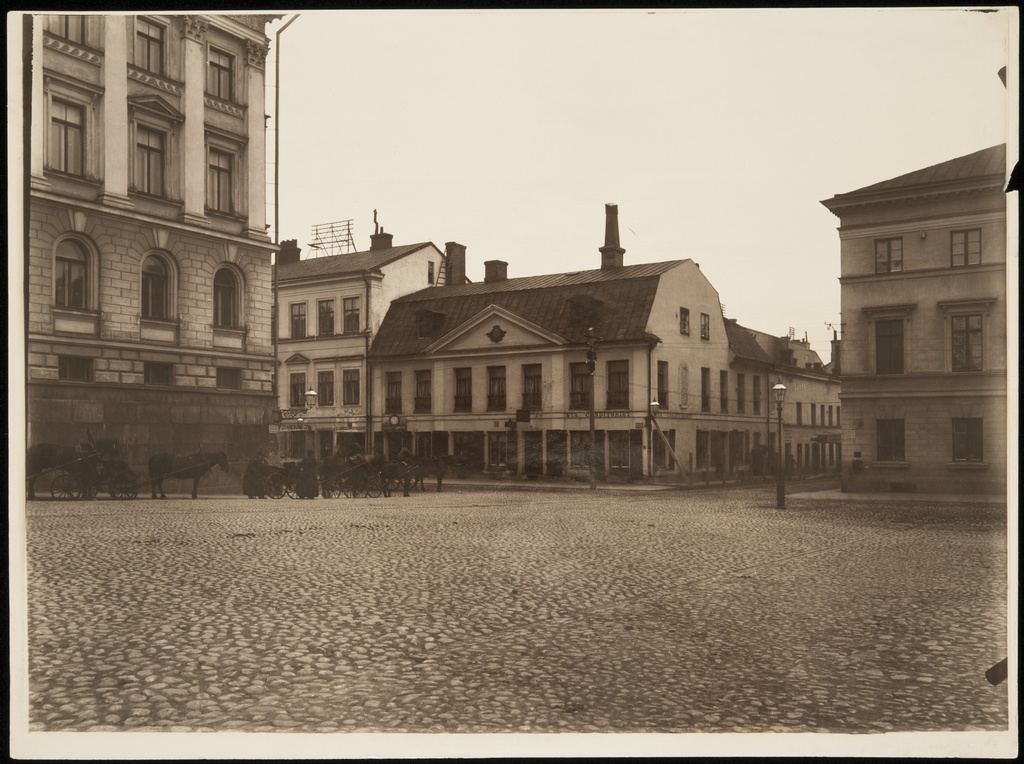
611, 252
495, 270
456, 254
289, 252
380, 240
837, 354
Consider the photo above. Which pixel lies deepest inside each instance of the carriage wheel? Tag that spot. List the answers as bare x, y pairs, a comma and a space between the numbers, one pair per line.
348, 490
277, 486
124, 487
66, 486
291, 491
375, 487
334, 489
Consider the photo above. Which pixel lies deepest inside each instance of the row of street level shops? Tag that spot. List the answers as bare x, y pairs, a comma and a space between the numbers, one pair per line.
629, 445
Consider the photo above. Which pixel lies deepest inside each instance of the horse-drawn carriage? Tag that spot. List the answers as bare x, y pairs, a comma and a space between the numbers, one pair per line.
83, 471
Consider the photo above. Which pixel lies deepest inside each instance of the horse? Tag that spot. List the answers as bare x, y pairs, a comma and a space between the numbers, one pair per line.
424, 466
196, 467
82, 462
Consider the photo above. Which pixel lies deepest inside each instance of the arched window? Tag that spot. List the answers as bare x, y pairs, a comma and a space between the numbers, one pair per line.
226, 294
71, 275
156, 288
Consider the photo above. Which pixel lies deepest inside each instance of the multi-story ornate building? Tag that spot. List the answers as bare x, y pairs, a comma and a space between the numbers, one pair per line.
148, 260
503, 374
329, 309
924, 305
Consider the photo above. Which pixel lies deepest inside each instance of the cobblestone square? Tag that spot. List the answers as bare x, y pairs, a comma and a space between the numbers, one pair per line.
476, 611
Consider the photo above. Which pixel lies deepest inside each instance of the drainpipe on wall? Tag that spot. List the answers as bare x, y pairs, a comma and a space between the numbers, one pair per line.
650, 428
368, 440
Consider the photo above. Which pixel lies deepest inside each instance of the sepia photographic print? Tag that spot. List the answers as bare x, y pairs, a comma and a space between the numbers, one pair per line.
513, 383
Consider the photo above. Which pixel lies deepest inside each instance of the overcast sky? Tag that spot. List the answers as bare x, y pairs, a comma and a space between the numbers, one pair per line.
717, 133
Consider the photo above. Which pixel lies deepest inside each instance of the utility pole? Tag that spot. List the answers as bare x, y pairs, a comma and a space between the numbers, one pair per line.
592, 367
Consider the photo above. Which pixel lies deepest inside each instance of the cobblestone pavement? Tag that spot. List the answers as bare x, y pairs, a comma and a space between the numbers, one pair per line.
490, 611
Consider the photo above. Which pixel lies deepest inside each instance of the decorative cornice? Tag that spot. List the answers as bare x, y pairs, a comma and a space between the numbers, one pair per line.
72, 49
838, 205
141, 75
225, 106
257, 21
256, 54
194, 28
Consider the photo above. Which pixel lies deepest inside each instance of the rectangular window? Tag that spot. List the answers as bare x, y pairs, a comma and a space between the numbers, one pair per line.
218, 181
70, 277
757, 394
579, 386
814, 416
799, 413
219, 74
325, 317
889, 346
463, 389
705, 326
684, 321
723, 390
663, 384
741, 392
430, 272
422, 401
497, 449
393, 392
618, 384
531, 386
161, 373
350, 387
325, 388
967, 440
298, 320
618, 450
967, 353
297, 390
839, 422
965, 247
705, 389
821, 414
890, 440
74, 368
149, 161
350, 315
229, 379
579, 447
496, 388
69, 27
829, 416
67, 139
149, 46
888, 255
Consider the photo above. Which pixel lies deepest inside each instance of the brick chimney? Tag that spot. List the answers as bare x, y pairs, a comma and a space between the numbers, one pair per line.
611, 252
495, 270
837, 354
456, 254
380, 240
289, 252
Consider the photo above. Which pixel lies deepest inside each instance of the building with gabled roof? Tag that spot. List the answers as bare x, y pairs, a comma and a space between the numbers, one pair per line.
500, 375
328, 311
924, 310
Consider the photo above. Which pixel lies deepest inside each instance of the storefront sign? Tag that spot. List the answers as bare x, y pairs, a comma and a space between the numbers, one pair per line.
600, 415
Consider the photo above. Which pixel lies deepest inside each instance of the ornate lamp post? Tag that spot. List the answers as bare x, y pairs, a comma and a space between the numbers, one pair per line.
780, 480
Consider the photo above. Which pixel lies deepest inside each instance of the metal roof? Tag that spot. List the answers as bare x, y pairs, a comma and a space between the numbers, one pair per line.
353, 262
744, 344
626, 295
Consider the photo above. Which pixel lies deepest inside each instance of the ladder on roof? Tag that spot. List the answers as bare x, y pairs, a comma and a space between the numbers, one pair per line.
442, 272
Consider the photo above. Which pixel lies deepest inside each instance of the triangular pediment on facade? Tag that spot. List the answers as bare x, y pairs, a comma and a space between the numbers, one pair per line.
494, 328
296, 359
156, 106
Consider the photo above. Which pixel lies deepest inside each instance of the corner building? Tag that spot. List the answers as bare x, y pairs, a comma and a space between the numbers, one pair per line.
924, 306
148, 259
496, 373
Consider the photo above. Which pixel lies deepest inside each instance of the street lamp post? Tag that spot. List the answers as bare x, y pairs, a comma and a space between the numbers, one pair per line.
652, 407
780, 480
